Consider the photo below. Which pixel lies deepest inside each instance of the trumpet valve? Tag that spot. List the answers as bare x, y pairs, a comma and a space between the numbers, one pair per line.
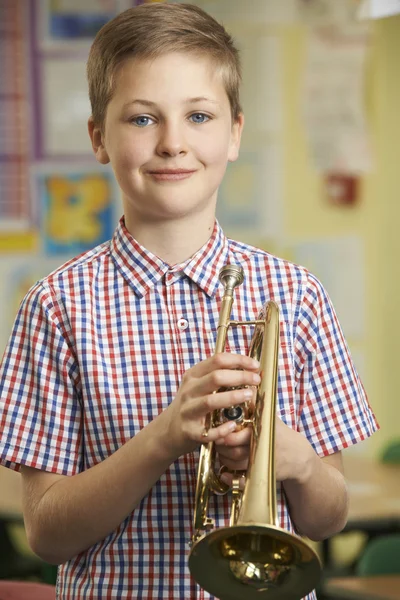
233, 413
241, 414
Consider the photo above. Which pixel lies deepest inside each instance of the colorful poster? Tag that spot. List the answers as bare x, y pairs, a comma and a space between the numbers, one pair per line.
15, 138
18, 241
77, 208
17, 275
73, 23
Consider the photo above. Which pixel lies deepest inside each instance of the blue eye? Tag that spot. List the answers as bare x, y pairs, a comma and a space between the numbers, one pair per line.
199, 118
141, 121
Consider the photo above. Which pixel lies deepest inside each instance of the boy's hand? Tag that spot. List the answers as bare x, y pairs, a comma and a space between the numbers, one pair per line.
233, 450
195, 399
293, 453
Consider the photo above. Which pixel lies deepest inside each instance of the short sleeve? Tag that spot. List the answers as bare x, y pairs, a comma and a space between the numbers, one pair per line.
40, 410
333, 408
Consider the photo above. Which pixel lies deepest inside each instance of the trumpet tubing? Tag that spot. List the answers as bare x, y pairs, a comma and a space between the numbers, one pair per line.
252, 558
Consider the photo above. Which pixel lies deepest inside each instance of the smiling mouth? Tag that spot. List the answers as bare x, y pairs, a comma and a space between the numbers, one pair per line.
171, 174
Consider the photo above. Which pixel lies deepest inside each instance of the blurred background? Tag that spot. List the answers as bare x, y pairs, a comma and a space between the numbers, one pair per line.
317, 183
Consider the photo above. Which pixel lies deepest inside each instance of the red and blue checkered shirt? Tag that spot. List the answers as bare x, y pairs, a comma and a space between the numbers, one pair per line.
98, 350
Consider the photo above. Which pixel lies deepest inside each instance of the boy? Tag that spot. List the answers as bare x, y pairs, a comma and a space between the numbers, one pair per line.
109, 374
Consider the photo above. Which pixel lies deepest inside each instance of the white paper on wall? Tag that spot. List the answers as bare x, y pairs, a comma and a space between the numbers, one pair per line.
66, 107
340, 265
333, 102
261, 92
250, 196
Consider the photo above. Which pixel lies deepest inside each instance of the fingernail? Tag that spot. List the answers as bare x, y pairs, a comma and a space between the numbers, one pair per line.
232, 426
248, 393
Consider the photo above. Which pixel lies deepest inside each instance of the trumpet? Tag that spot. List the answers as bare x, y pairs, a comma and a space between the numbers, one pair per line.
253, 557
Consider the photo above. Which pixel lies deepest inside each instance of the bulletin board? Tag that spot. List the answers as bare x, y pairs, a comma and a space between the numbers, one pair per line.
56, 201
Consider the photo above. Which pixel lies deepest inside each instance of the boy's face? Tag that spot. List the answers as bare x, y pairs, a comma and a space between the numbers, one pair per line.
168, 135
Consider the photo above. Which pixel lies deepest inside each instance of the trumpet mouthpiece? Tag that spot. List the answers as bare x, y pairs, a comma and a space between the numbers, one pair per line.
231, 276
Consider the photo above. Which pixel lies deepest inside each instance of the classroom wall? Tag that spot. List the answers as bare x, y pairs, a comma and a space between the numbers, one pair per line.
375, 218
307, 215
304, 213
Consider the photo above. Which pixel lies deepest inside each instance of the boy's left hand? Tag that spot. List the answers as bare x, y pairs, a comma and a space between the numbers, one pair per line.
233, 450
293, 453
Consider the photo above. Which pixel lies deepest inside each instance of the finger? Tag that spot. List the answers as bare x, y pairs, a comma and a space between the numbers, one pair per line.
240, 437
223, 378
237, 454
199, 407
217, 433
225, 360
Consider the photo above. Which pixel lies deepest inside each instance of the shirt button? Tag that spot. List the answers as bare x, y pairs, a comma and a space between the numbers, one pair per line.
183, 324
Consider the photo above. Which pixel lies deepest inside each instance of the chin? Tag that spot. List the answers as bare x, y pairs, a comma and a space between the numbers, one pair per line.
170, 202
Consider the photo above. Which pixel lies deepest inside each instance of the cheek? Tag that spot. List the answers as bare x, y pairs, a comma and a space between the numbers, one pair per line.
216, 152
128, 156
126, 148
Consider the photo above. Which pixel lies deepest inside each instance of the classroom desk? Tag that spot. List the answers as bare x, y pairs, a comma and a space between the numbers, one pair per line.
374, 490
378, 587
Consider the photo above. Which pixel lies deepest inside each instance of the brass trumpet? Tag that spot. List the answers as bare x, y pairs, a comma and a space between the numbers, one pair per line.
252, 558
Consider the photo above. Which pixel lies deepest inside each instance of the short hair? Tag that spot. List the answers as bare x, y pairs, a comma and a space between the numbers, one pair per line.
150, 30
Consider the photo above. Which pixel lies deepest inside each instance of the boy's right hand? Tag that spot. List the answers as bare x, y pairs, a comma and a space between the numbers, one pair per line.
195, 399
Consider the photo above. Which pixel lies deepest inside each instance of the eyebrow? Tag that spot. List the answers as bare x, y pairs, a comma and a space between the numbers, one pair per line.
144, 102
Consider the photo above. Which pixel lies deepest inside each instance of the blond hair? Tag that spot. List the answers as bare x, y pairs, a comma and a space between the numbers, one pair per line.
150, 30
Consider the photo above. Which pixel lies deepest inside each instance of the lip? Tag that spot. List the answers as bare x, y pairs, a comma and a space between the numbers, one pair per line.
171, 174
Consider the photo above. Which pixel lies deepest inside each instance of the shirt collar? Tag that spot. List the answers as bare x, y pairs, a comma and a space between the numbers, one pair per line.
142, 269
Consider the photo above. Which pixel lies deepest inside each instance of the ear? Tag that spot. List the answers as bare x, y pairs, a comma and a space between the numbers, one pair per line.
97, 138
236, 136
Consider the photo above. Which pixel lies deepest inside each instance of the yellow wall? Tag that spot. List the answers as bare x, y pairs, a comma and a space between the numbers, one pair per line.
384, 192
376, 217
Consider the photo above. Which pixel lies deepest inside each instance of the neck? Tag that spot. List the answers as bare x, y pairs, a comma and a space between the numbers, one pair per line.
173, 242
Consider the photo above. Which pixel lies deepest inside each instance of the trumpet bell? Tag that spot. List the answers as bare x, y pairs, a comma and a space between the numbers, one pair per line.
254, 562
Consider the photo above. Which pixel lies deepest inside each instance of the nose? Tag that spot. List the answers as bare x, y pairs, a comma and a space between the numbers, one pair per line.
172, 140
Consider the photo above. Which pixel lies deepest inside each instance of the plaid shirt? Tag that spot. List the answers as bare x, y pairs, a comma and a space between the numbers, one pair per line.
98, 350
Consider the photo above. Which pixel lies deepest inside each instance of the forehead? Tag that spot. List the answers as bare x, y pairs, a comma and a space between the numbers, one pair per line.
170, 76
